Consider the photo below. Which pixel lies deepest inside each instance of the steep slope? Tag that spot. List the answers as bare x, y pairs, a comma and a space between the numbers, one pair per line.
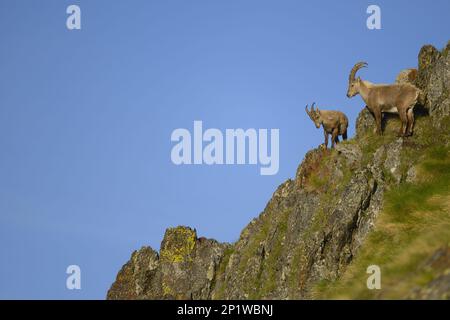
372, 200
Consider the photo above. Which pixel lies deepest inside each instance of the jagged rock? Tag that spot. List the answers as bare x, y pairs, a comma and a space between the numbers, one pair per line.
184, 270
136, 276
365, 123
352, 153
387, 161
434, 80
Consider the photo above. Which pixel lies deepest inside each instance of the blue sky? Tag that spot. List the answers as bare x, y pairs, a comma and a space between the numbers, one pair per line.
86, 117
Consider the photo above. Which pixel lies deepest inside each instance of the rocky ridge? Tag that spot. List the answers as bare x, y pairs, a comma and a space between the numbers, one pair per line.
315, 224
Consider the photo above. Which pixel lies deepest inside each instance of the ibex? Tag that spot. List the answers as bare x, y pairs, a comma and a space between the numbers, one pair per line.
380, 98
333, 122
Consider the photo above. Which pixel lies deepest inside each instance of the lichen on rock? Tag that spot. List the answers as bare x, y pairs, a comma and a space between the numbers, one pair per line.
178, 245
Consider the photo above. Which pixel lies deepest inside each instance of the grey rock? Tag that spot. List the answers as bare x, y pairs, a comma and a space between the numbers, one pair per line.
365, 123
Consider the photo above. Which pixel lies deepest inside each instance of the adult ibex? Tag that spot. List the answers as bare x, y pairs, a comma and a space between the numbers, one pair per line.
333, 122
380, 98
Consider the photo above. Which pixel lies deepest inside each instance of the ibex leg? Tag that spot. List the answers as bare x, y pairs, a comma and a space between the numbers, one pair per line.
410, 116
378, 116
344, 135
404, 121
334, 136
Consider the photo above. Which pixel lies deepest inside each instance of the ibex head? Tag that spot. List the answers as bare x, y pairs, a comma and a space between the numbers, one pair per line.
354, 83
314, 115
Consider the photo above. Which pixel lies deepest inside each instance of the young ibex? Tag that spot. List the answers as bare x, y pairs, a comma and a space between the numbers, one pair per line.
333, 122
380, 98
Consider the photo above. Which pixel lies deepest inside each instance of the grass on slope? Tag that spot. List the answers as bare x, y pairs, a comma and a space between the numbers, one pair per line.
415, 222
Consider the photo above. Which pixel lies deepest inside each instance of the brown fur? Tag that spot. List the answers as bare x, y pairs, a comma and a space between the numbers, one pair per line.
333, 122
399, 98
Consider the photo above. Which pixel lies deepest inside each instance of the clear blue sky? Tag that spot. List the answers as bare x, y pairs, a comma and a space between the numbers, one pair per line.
86, 117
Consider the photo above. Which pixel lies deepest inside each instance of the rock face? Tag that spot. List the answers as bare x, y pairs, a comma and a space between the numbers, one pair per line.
439, 288
434, 80
184, 269
312, 227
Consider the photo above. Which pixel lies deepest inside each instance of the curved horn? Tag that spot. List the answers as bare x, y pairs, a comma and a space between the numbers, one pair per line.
312, 107
306, 109
355, 68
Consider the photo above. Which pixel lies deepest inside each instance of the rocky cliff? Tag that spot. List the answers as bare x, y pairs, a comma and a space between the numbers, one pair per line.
372, 200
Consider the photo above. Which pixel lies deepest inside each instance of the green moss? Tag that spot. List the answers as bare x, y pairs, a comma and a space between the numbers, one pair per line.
264, 282
321, 178
272, 263
167, 290
251, 250
220, 274
319, 219
369, 144
225, 259
318, 182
